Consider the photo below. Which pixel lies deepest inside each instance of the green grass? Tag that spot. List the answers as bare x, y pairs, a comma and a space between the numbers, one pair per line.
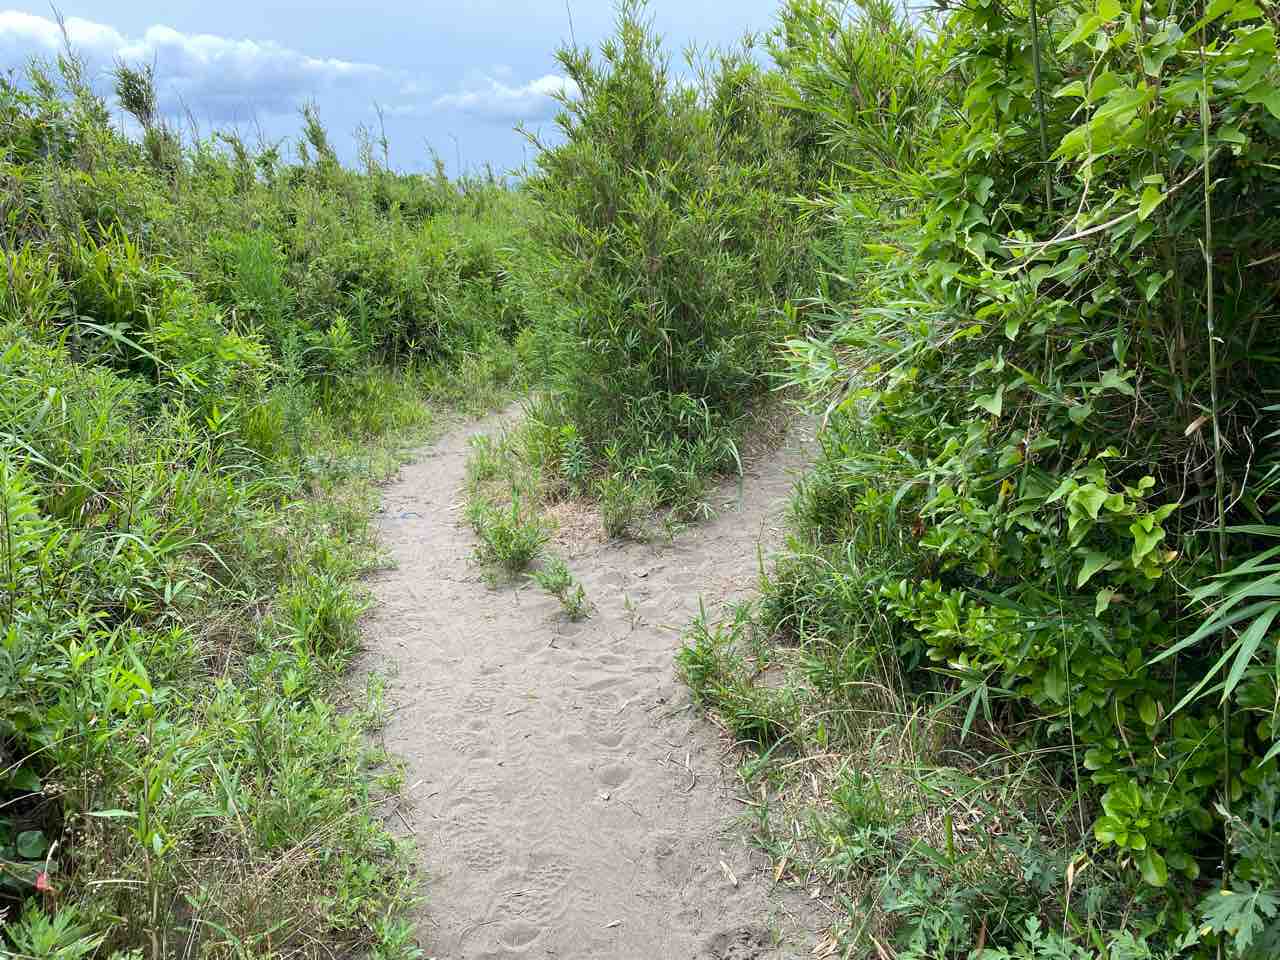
510, 537
208, 362
555, 577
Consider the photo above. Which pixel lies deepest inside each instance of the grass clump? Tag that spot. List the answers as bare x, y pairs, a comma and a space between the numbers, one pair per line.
670, 247
555, 577
510, 536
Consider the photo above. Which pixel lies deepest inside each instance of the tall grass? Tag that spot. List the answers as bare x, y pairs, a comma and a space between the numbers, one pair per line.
206, 357
671, 246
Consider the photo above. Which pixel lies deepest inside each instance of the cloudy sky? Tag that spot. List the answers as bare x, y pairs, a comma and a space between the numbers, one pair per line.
452, 74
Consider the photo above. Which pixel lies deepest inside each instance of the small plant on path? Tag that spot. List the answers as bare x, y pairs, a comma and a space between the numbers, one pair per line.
555, 578
508, 538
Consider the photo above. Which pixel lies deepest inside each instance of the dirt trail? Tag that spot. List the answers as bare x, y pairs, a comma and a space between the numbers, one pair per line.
571, 803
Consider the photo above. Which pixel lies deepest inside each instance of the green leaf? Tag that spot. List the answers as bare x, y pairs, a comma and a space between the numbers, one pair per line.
1147, 710
1055, 684
1089, 498
1271, 100
25, 779
1242, 913
1103, 601
1144, 541
1115, 380
1088, 24
1249, 642
31, 844
982, 190
993, 403
1153, 867
1080, 412
1093, 562
1107, 829
1151, 198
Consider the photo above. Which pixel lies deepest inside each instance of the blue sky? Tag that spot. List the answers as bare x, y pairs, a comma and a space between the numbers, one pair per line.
453, 75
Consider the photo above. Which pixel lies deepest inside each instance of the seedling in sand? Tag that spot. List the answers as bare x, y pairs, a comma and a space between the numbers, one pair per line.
555, 578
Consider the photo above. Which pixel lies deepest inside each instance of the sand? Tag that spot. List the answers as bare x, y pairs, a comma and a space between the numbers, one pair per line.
568, 800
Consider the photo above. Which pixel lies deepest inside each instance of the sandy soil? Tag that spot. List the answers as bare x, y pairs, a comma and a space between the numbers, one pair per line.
570, 803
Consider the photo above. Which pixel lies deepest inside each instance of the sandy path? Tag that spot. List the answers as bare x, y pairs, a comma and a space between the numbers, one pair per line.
571, 803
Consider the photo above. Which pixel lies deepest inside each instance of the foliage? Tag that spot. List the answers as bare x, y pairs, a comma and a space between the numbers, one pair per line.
556, 578
671, 248
196, 389
1046, 386
508, 535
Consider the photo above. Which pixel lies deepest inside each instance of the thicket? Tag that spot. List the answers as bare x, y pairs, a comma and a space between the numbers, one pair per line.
1033, 573
670, 252
206, 352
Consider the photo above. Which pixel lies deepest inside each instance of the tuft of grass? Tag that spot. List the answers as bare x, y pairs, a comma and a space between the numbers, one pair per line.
509, 537
555, 578
624, 505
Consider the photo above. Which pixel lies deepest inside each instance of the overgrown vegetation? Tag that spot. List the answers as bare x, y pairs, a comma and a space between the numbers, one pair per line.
207, 353
669, 251
1012, 689
1023, 642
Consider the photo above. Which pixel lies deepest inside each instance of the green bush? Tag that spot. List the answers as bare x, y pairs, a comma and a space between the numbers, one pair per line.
1043, 352
672, 245
189, 422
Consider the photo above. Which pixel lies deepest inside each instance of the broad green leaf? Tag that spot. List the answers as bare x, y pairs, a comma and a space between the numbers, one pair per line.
1123, 102
1074, 143
1144, 541
1093, 562
1147, 710
1107, 829
1079, 412
1086, 27
1055, 684
982, 189
1153, 868
1114, 380
1151, 198
24, 778
1271, 100
993, 403
1103, 601
1089, 498
31, 844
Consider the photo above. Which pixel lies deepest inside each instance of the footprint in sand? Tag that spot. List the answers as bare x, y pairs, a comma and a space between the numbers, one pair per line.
518, 721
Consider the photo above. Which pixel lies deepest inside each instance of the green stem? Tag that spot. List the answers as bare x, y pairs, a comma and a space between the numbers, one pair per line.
1044, 136
1220, 478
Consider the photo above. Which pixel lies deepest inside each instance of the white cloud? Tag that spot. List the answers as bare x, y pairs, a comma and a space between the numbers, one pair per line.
217, 77
495, 100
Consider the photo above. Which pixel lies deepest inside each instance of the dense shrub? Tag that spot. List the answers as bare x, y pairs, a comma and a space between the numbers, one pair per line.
1050, 383
665, 214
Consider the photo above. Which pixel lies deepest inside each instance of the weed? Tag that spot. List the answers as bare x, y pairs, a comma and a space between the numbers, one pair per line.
555, 578
207, 359
623, 504
508, 537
